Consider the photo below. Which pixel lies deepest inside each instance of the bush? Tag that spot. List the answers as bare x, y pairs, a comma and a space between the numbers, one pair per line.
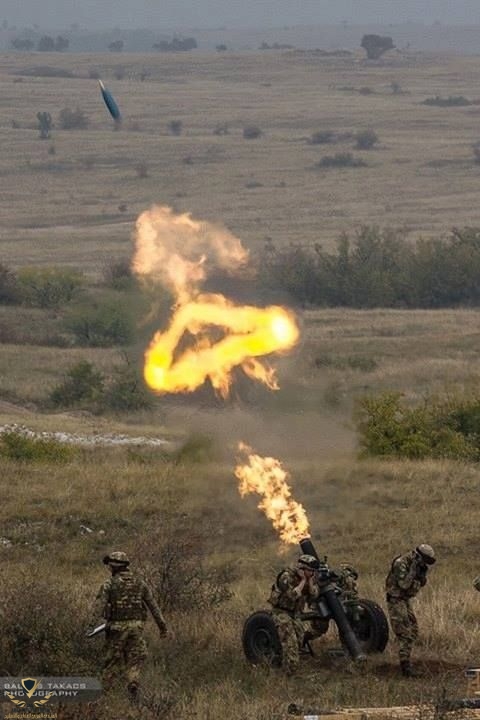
175, 127
450, 101
142, 170
100, 324
118, 275
376, 45
322, 137
17, 445
221, 129
439, 428
366, 139
73, 119
198, 448
378, 269
251, 132
9, 290
340, 160
48, 287
174, 568
42, 627
45, 124
83, 384
476, 152
126, 392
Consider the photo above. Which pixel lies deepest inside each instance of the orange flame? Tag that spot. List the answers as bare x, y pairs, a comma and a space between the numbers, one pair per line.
266, 476
175, 250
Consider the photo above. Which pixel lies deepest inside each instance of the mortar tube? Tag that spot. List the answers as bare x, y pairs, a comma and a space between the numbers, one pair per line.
336, 609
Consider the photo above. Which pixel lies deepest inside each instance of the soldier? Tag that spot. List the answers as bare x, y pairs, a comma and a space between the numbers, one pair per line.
294, 588
122, 602
407, 575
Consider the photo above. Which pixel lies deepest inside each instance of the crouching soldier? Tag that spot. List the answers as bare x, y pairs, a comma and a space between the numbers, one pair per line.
408, 574
122, 602
293, 590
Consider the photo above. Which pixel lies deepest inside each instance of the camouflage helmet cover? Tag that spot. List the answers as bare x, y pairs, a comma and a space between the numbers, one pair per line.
427, 553
308, 561
116, 558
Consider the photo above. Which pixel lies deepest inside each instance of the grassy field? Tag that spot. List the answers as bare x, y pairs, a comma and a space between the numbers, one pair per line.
65, 207
77, 207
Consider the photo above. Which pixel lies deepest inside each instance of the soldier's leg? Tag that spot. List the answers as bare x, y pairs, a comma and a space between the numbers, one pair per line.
398, 613
289, 641
114, 663
135, 653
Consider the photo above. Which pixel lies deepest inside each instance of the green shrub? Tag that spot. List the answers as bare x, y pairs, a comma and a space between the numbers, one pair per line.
16, 445
251, 132
340, 160
42, 628
101, 324
322, 137
118, 275
9, 290
450, 101
439, 428
48, 287
197, 448
83, 384
126, 392
69, 119
366, 139
175, 127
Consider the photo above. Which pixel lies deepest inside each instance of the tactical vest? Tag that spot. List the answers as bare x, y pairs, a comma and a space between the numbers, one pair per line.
125, 598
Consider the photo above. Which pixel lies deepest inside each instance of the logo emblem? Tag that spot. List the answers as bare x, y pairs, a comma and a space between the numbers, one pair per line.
30, 685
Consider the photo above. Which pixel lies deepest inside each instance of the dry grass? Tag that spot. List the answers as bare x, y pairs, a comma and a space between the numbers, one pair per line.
65, 210
422, 177
361, 512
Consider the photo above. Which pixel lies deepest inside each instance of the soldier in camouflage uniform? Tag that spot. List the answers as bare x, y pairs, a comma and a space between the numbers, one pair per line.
407, 575
292, 591
122, 602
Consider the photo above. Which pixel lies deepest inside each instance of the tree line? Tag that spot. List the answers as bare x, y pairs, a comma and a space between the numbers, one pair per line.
378, 268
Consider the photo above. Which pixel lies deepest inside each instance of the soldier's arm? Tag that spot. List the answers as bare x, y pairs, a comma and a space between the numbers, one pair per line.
154, 608
290, 585
405, 573
100, 608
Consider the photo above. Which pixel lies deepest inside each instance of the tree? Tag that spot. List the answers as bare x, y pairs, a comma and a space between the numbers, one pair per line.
45, 124
61, 43
25, 44
376, 45
116, 46
46, 44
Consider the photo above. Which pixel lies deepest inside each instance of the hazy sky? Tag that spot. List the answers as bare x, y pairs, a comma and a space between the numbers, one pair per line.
233, 13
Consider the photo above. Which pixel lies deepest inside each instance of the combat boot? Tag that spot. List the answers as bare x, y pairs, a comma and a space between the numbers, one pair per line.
407, 669
133, 690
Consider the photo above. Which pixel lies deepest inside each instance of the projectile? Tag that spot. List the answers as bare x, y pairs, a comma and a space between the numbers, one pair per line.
110, 102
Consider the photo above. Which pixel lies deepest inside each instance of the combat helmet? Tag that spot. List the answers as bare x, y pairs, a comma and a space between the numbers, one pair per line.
427, 553
116, 558
308, 561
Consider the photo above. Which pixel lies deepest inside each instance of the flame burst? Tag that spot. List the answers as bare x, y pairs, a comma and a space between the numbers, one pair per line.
175, 250
266, 476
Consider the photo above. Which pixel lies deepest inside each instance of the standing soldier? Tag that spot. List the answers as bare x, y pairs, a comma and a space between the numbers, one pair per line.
122, 602
407, 575
293, 589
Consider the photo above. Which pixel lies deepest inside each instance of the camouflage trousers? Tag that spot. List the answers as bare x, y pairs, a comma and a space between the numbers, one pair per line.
291, 633
125, 653
404, 625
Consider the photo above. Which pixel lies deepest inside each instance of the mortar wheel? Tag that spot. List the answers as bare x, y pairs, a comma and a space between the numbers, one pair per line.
260, 640
369, 623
